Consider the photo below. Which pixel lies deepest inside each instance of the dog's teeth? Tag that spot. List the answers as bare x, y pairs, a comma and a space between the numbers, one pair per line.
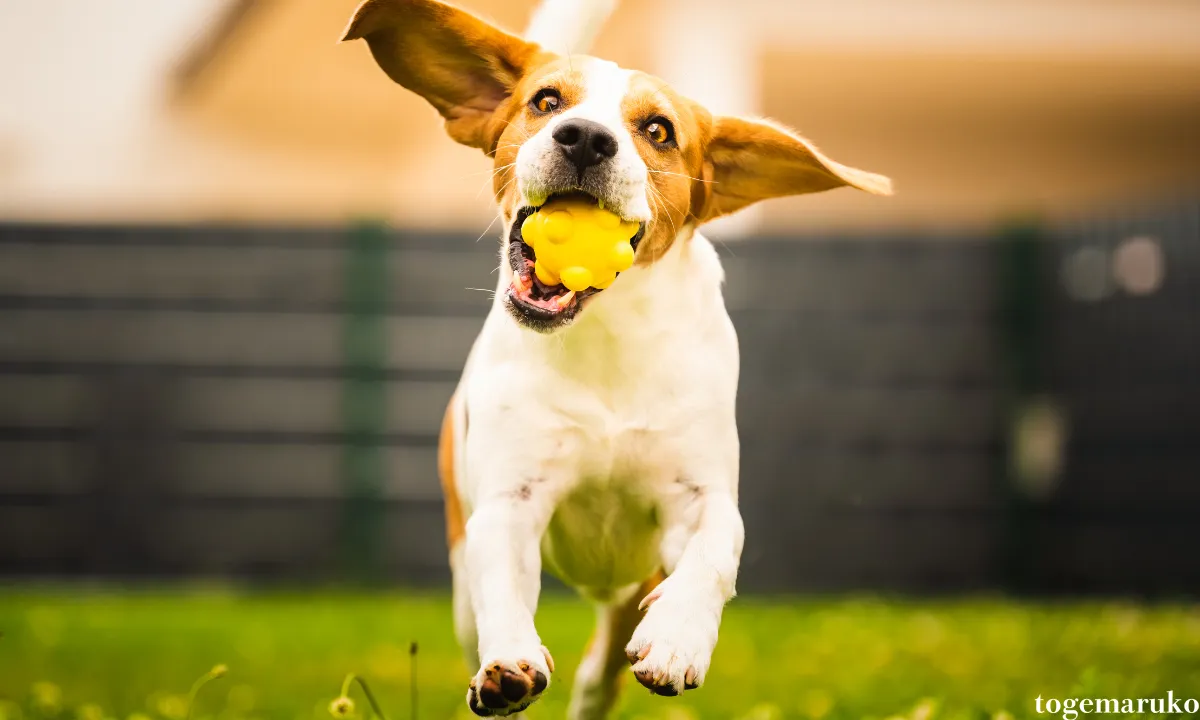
522, 283
565, 300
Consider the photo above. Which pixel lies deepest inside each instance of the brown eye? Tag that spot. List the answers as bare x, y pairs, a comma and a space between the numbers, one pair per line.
659, 131
547, 100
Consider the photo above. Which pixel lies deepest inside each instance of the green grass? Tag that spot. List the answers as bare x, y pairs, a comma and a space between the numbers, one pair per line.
119, 654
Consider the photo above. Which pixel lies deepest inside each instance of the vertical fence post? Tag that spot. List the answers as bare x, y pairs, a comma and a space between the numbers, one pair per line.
1022, 363
364, 405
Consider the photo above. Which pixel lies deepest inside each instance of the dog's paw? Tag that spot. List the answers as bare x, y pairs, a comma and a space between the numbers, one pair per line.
504, 687
672, 647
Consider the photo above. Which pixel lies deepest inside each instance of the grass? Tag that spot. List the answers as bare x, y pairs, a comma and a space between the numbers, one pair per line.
88, 655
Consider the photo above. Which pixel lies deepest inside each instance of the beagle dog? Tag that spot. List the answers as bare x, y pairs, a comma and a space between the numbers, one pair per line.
593, 434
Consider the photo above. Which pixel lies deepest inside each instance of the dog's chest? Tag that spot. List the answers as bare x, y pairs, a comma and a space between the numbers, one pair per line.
603, 536
620, 403
605, 531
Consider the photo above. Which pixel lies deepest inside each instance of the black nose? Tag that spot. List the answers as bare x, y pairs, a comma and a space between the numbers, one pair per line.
585, 143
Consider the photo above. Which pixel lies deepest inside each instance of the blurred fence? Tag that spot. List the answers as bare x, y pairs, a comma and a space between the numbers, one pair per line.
250, 402
1120, 350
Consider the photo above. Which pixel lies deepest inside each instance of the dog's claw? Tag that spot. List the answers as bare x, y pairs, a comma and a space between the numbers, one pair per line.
651, 683
637, 657
647, 601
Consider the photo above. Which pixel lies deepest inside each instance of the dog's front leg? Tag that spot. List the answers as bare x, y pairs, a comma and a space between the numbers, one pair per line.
503, 566
672, 646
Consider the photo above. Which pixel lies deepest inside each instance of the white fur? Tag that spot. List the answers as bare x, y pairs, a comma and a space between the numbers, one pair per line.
567, 27
609, 449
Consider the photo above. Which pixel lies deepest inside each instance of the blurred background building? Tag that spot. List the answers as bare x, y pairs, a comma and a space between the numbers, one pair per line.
215, 359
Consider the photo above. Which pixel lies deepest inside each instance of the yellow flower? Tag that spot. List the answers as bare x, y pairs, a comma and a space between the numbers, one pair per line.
218, 671
924, 710
47, 697
763, 711
341, 707
172, 707
90, 711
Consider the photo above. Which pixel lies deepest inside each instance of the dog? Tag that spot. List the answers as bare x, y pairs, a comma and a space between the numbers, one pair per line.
593, 433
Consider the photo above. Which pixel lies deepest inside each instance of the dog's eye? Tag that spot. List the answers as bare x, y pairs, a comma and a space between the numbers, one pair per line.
660, 131
547, 100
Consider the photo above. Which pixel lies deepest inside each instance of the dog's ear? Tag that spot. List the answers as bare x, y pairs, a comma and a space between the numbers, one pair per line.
749, 160
462, 65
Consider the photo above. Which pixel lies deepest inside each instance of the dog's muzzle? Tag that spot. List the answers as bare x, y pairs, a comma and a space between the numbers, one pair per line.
535, 304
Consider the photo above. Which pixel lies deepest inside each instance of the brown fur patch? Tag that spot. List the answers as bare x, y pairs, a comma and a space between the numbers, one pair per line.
456, 524
676, 174
753, 160
463, 66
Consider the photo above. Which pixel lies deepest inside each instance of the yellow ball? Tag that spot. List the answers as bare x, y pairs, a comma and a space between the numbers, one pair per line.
578, 244
558, 227
576, 278
622, 257
543, 273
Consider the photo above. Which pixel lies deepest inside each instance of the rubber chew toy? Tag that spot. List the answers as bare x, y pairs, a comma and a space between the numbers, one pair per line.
578, 244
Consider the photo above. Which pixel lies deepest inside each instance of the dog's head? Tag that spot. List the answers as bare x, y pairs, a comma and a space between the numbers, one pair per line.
579, 125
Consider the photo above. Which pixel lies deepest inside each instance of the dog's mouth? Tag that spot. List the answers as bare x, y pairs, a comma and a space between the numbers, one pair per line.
535, 303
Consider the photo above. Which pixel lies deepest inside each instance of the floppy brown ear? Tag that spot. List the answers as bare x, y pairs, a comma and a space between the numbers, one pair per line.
462, 65
753, 160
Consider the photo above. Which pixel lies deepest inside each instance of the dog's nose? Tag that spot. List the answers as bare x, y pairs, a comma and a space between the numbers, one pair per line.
585, 143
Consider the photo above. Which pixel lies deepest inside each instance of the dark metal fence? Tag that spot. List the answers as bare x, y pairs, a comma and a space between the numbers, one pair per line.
264, 403
1122, 353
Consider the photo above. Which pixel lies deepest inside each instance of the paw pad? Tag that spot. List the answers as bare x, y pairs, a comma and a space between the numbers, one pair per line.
502, 689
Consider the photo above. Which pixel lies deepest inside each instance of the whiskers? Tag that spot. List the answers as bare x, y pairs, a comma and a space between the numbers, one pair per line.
504, 187
492, 172
487, 229
524, 134
490, 293
492, 177
496, 171
675, 174
658, 200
